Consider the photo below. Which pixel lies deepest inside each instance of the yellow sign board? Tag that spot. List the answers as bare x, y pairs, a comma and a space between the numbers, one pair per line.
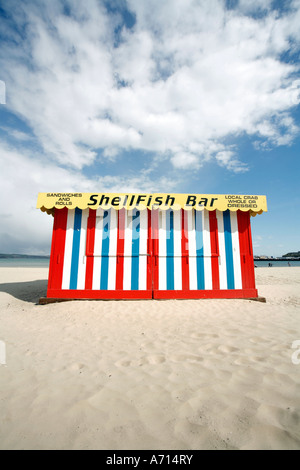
255, 204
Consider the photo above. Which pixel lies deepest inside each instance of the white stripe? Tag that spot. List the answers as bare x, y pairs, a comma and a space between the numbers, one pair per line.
162, 234
192, 250
112, 269
127, 273
143, 232
177, 232
206, 251
82, 249
162, 273
177, 272
99, 212
68, 250
113, 239
191, 233
177, 250
127, 251
128, 235
143, 250
98, 235
143, 272
222, 257
97, 250
236, 251
113, 232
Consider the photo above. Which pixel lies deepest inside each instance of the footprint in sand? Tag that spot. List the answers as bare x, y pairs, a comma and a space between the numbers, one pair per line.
77, 367
159, 359
156, 359
153, 359
204, 335
227, 349
123, 363
259, 340
190, 358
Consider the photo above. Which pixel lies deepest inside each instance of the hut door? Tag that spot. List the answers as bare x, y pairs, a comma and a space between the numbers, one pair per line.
118, 255
182, 253
168, 255
133, 255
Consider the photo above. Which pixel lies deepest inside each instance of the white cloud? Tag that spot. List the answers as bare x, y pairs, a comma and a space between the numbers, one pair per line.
186, 76
228, 159
250, 6
185, 160
16, 134
281, 131
2, 92
24, 175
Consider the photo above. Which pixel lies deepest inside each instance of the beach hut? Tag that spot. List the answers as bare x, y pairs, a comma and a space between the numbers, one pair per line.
143, 246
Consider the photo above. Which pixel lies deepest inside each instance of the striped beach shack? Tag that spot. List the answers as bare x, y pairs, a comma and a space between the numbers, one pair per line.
142, 246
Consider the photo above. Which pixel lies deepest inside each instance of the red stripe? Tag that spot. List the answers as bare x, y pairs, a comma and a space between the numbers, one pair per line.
214, 243
251, 258
246, 253
98, 294
90, 243
120, 249
149, 253
145, 294
155, 232
56, 263
205, 294
185, 251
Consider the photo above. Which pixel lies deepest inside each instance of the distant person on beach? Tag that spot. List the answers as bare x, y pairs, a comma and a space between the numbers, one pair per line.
289, 264
270, 264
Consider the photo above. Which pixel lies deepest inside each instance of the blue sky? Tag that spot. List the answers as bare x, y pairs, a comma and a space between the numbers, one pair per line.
191, 96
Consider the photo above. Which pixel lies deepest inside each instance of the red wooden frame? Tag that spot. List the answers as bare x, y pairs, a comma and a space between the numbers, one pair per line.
56, 262
214, 245
246, 252
149, 255
206, 294
120, 250
185, 252
155, 272
98, 294
155, 294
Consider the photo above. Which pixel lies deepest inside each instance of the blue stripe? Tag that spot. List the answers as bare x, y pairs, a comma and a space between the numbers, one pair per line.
228, 250
199, 250
170, 249
135, 251
75, 249
105, 251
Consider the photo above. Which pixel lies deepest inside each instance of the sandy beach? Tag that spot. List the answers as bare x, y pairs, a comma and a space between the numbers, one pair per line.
175, 374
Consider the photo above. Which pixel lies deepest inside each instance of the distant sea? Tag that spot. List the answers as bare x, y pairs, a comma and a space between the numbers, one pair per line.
276, 263
35, 262
28, 262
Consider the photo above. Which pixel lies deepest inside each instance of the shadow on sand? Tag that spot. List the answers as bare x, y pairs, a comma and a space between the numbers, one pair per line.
29, 291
